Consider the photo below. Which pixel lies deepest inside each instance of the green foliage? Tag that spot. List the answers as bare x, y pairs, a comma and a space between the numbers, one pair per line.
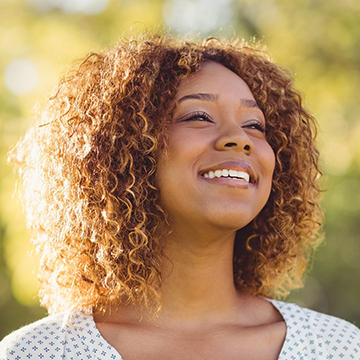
316, 39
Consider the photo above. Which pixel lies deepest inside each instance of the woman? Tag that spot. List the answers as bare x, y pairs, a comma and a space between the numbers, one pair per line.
171, 189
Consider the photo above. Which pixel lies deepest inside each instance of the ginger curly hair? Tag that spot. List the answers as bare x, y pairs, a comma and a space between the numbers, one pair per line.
88, 175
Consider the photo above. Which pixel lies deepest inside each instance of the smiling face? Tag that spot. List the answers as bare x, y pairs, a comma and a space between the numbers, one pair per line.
218, 169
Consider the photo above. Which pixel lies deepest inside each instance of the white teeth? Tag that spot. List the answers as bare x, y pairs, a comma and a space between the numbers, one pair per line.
227, 173
244, 175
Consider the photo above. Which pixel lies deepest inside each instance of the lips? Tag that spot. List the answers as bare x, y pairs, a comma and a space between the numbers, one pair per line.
237, 170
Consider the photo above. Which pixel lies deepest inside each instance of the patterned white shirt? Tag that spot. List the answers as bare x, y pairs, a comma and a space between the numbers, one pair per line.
310, 336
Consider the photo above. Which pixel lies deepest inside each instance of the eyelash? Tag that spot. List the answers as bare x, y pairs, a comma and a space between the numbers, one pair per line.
257, 125
198, 115
205, 117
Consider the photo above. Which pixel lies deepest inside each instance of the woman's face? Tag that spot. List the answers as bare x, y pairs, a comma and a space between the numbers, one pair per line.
218, 168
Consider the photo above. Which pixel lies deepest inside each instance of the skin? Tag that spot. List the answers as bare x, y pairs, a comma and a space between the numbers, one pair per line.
203, 316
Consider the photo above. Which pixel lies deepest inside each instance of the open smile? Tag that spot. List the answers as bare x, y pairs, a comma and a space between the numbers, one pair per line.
230, 170
227, 173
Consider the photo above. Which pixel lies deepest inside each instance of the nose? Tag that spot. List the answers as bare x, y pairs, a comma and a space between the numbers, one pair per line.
234, 138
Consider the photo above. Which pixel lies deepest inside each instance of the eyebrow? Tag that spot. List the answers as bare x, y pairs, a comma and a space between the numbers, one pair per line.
248, 103
200, 96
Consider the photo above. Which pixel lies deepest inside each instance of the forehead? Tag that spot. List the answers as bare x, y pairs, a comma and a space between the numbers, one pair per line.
214, 78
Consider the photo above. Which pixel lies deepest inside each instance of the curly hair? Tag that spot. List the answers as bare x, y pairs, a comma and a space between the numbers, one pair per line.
88, 175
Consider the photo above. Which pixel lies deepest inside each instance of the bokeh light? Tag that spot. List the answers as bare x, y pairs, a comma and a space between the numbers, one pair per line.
88, 7
21, 76
191, 16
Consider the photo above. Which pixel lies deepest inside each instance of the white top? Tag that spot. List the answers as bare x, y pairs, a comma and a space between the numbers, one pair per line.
310, 335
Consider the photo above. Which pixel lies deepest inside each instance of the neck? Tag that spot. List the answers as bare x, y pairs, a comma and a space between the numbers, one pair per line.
198, 280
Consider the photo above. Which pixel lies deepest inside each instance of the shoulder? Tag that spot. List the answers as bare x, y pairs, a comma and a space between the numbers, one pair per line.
327, 336
45, 338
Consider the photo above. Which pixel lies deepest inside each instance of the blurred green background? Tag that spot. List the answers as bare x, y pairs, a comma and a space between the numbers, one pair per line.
319, 40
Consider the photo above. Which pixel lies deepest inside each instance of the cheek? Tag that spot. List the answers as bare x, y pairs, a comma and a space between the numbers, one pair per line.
268, 166
271, 161
268, 158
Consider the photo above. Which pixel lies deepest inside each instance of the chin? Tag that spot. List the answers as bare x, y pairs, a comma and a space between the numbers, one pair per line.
231, 221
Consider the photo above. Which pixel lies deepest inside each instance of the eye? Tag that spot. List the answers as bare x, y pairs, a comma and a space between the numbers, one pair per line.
256, 125
198, 116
